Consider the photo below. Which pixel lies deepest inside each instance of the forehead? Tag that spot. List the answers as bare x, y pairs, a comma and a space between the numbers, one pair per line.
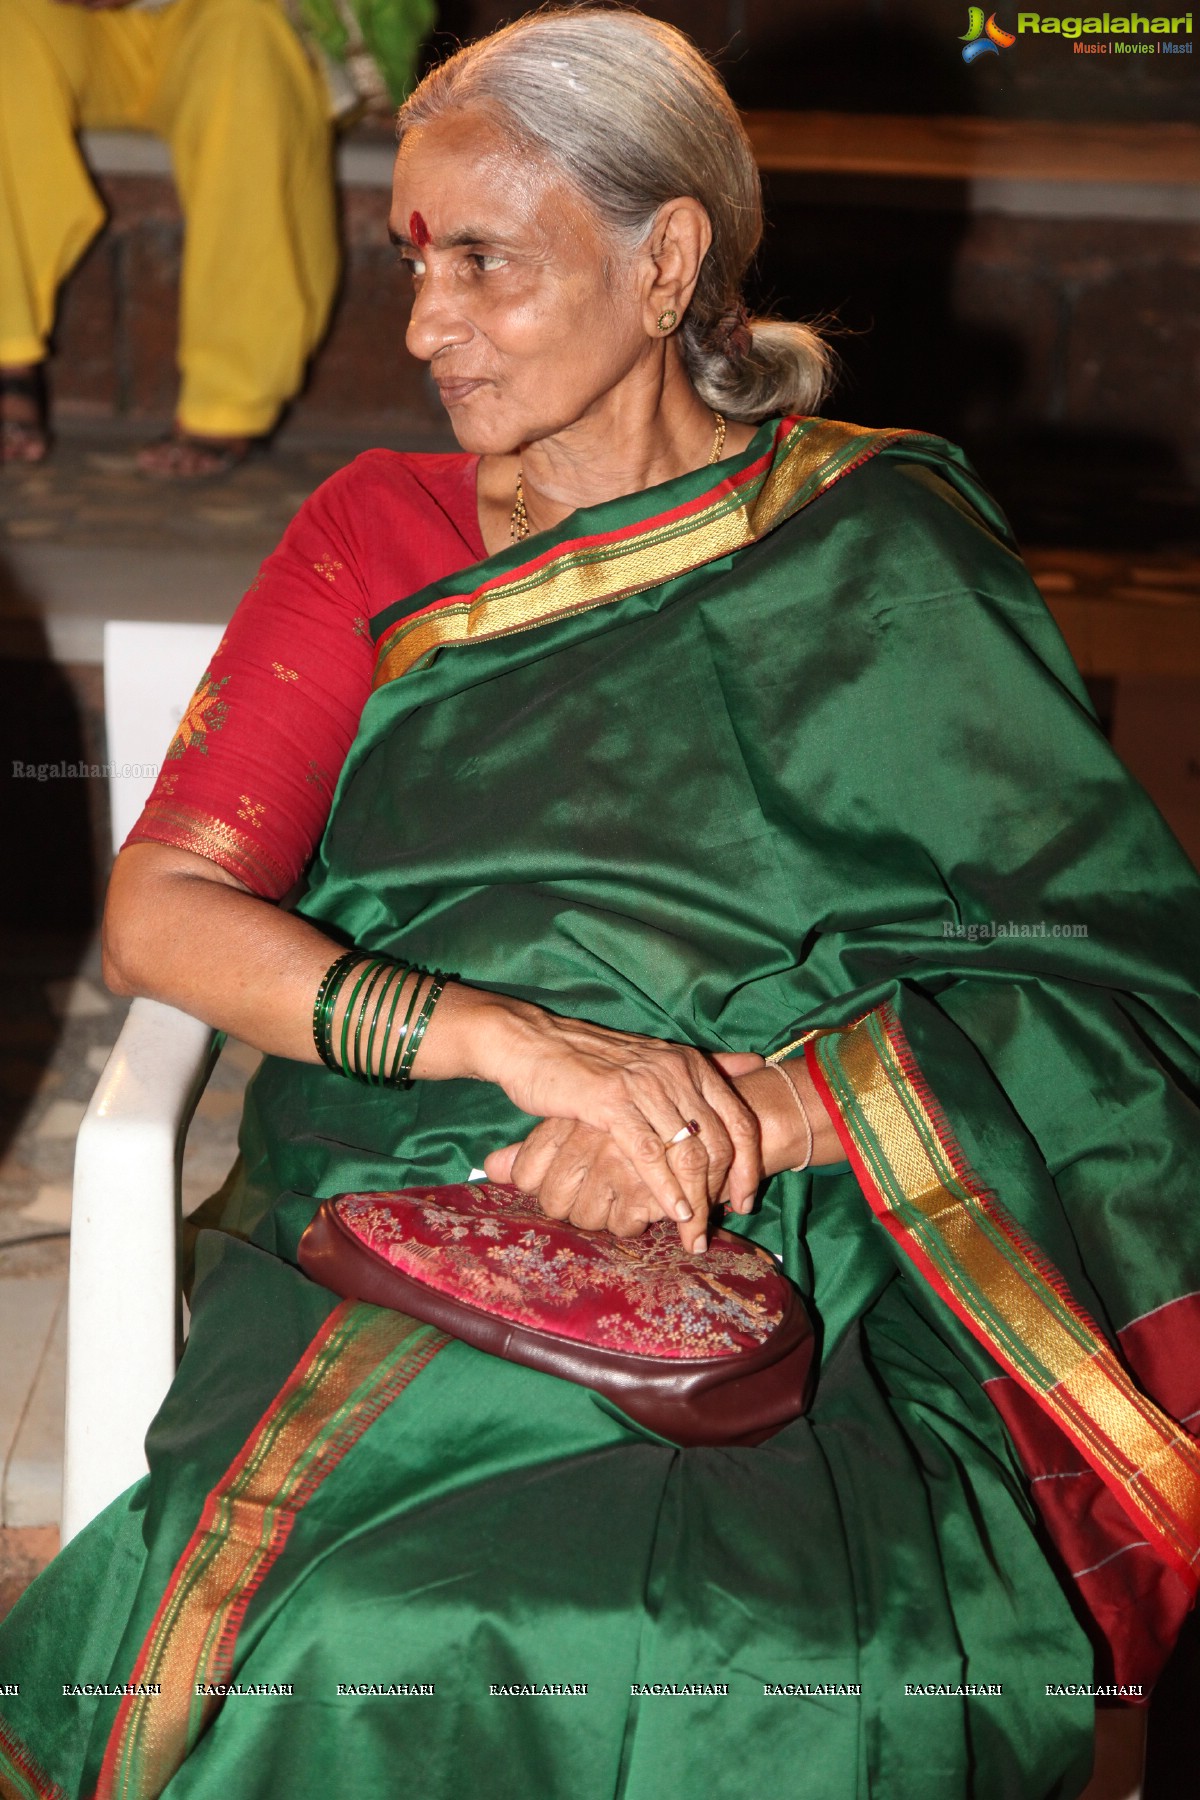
462, 170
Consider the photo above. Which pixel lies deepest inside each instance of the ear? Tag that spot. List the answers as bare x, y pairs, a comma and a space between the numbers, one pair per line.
679, 241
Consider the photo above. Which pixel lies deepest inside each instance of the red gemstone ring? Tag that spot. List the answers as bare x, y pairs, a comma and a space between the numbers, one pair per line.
691, 1129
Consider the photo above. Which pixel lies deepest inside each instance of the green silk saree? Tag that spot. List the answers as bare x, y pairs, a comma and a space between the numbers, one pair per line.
786, 756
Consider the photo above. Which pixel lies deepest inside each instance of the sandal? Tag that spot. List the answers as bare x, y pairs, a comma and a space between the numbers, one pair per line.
24, 439
186, 456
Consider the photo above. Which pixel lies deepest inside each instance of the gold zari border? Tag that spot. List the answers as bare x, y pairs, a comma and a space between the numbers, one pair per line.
358, 1362
20, 1777
186, 827
1012, 1300
593, 572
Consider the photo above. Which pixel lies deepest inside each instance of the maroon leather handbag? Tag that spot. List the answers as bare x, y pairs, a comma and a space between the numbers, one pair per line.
713, 1349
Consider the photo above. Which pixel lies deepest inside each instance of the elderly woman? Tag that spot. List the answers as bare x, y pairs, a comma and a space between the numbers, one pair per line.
685, 727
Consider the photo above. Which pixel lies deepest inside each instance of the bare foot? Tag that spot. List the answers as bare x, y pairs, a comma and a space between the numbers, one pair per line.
23, 435
186, 457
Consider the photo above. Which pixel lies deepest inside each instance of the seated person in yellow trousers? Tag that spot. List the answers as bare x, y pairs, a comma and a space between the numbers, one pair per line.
244, 111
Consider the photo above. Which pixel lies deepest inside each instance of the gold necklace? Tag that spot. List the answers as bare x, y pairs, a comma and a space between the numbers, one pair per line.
518, 525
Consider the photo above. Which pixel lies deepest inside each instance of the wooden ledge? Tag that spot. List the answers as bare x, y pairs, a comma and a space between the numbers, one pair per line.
823, 143
1124, 612
952, 149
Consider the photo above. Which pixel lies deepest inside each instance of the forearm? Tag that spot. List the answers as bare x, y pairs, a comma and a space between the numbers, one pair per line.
179, 929
182, 930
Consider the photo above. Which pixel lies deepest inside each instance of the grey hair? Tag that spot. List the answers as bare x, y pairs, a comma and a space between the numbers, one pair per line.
632, 115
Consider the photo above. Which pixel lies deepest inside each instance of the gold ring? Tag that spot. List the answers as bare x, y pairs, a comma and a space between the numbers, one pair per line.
691, 1129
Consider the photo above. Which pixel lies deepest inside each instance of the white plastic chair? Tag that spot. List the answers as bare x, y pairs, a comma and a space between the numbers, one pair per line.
124, 1328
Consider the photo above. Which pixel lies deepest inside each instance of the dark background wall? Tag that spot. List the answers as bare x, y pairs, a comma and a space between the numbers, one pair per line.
897, 56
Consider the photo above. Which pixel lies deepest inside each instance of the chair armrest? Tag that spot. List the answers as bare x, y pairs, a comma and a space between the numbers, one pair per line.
123, 1319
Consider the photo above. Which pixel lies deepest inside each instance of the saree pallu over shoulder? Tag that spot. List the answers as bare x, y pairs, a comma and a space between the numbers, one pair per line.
590, 567
979, 1261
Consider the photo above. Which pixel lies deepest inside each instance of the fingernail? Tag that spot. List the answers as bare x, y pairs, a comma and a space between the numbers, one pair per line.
700, 1246
746, 1204
683, 1212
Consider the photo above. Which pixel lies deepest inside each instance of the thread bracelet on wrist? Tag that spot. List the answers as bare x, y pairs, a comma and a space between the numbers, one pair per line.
794, 1091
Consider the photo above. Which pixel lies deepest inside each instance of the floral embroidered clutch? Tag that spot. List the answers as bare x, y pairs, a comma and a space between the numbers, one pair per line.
713, 1349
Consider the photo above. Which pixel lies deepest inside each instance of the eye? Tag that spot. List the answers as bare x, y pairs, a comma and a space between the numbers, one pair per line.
413, 265
488, 263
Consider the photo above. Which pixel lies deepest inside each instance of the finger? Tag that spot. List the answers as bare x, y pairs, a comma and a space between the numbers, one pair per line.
628, 1204
612, 1197
669, 1090
694, 1171
535, 1156
728, 1125
687, 1161
745, 1172
629, 1218
694, 1233
644, 1149
609, 1181
593, 1202
738, 1062
498, 1164
561, 1185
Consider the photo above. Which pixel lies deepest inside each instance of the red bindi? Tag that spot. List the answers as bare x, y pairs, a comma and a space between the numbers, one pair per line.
419, 231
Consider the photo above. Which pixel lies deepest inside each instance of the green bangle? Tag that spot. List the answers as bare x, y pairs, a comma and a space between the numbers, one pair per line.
405, 972
393, 1072
433, 995
394, 979
327, 993
369, 969
376, 978
379, 976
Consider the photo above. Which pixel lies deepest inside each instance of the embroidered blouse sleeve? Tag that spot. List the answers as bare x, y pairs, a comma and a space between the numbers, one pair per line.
248, 778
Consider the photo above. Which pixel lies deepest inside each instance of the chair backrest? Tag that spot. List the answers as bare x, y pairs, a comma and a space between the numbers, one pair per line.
150, 674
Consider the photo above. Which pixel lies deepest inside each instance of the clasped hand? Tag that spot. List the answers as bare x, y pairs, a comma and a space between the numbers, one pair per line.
611, 1105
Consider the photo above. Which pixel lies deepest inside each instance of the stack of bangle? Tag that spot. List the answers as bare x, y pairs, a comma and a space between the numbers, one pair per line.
386, 1058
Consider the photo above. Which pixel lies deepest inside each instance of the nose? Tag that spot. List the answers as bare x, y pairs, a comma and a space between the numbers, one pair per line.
436, 322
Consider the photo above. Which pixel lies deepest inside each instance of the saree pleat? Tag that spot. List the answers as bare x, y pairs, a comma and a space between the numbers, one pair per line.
834, 787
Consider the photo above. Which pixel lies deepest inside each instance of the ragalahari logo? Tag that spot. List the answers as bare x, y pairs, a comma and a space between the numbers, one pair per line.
980, 39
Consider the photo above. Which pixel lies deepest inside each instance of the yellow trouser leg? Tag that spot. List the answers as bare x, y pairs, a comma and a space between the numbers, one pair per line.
59, 67
245, 115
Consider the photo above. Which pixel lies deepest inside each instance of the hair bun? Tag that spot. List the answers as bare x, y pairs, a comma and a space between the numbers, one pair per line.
731, 334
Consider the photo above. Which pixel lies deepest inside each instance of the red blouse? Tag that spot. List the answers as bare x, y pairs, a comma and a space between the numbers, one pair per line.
249, 776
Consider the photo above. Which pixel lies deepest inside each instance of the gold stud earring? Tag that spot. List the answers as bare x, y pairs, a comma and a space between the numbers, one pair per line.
668, 319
